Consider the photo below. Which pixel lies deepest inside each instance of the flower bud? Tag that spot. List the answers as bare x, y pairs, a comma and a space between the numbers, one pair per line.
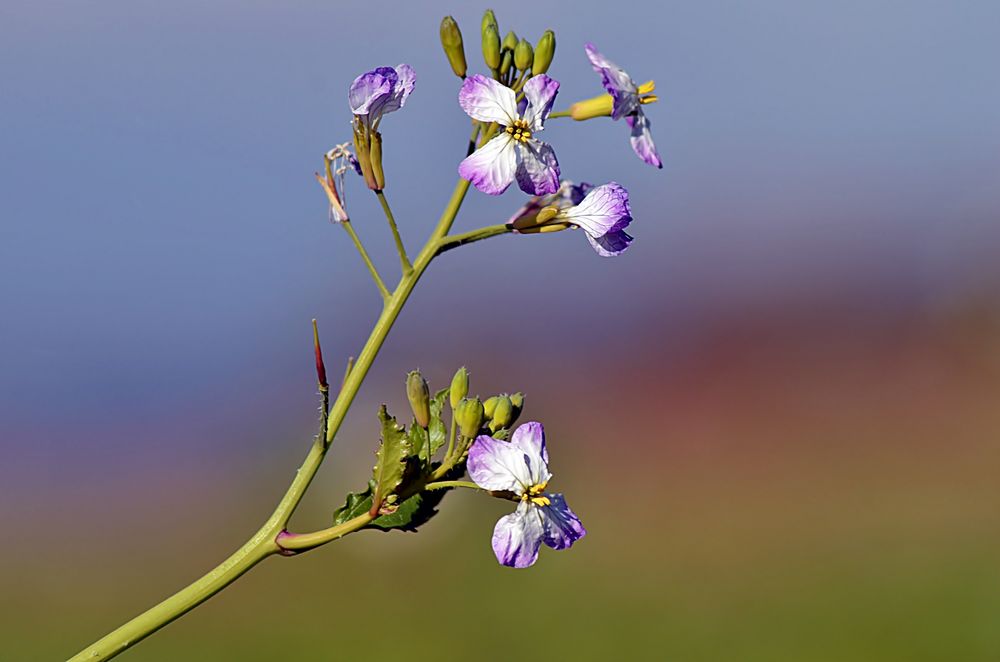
451, 40
510, 41
517, 400
599, 106
489, 18
419, 395
362, 147
469, 417
506, 61
376, 161
491, 47
544, 52
490, 406
523, 55
459, 387
503, 414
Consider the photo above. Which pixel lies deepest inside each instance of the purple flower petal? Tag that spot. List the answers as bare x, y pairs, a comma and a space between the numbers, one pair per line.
517, 537
486, 100
617, 83
560, 525
491, 167
642, 139
529, 438
604, 209
405, 81
537, 168
499, 466
540, 92
369, 90
577, 192
612, 244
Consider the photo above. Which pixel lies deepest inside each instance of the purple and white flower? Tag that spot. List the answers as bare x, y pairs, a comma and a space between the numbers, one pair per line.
520, 466
380, 91
628, 99
514, 152
603, 212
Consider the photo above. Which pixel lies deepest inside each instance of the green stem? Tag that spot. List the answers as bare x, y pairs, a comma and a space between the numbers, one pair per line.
456, 240
264, 543
559, 113
368, 261
444, 484
404, 260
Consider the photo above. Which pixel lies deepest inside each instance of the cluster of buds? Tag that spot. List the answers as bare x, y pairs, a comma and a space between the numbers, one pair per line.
511, 60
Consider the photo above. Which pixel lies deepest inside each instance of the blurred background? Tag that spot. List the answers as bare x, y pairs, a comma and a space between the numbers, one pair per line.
777, 415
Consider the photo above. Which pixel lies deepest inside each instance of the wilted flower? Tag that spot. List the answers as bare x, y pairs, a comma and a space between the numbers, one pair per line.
338, 161
627, 101
514, 152
520, 466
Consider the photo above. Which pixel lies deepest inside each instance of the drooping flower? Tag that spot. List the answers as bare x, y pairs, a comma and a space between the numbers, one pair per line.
627, 101
603, 212
514, 152
520, 467
380, 91
372, 95
338, 161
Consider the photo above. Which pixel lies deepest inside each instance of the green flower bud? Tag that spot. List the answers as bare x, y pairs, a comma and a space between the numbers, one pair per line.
489, 18
544, 51
510, 41
517, 400
491, 47
503, 414
490, 406
376, 161
459, 387
362, 148
451, 40
469, 417
506, 61
523, 55
419, 396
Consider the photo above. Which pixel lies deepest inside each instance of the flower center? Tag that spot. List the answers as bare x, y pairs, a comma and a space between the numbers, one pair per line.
645, 93
519, 131
535, 496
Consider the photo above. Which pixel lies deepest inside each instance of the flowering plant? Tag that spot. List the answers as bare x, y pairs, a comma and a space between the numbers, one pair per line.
452, 431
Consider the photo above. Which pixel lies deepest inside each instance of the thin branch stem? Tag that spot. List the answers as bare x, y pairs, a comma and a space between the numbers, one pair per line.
559, 113
456, 240
477, 126
382, 289
444, 484
404, 260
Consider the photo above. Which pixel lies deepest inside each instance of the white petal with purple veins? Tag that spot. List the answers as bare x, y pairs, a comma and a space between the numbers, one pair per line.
529, 438
604, 209
491, 167
369, 90
540, 92
406, 79
642, 139
537, 168
517, 537
499, 465
486, 100
560, 525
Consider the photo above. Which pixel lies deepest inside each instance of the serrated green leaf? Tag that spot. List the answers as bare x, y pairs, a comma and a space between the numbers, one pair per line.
412, 513
391, 457
437, 431
357, 503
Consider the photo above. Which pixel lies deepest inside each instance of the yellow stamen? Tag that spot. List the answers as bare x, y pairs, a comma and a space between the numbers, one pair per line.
519, 131
652, 98
541, 501
647, 87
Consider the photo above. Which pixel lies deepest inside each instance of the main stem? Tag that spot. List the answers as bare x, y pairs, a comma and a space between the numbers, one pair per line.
264, 543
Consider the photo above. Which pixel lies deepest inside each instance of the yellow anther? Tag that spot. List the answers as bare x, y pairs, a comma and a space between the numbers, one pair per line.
647, 87
541, 501
652, 98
